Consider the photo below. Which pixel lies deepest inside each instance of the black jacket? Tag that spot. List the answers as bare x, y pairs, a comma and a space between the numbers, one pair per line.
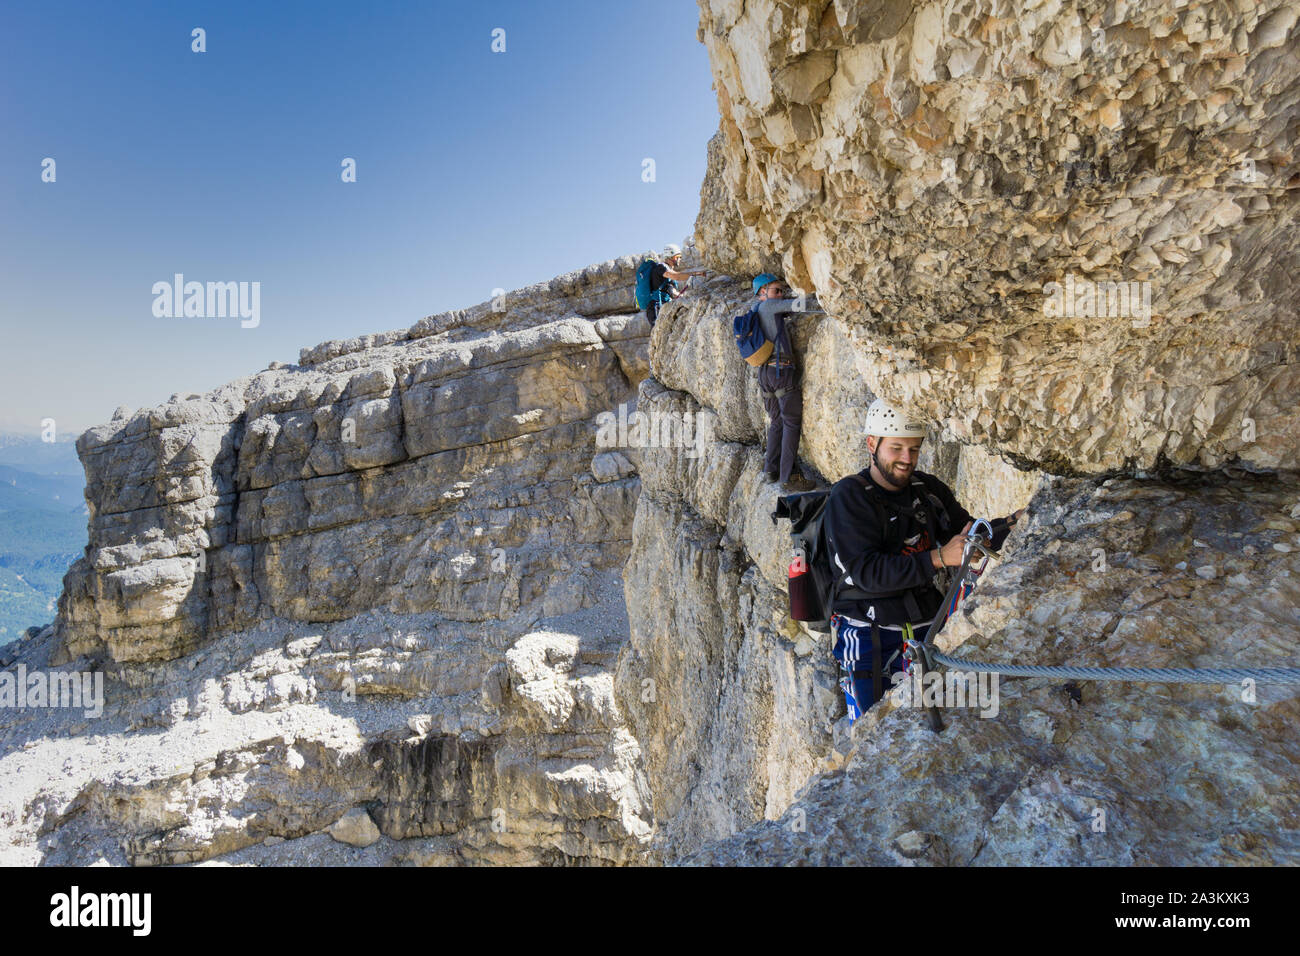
890, 562
661, 287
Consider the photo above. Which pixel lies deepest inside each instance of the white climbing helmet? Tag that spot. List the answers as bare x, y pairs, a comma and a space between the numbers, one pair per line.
672, 249
884, 419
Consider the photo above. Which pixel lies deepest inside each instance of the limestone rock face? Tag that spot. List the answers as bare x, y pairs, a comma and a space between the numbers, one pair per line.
1085, 773
718, 230
355, 828
959, 183
445, 468
694, 352
734, 705
731, 708
360, 610
385, 738
1187, 571
504, 587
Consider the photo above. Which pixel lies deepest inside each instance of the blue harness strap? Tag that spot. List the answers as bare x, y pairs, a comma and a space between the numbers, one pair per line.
861, 642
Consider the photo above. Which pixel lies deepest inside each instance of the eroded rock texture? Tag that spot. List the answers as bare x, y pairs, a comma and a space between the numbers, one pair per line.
444, 468
735, 705
1201, 573
494, 744
367, 609
361, 610
929, 168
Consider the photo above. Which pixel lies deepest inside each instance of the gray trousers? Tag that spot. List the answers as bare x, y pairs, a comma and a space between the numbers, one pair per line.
785, 417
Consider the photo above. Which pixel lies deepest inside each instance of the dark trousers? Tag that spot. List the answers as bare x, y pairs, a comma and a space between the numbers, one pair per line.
652, 310
785, 417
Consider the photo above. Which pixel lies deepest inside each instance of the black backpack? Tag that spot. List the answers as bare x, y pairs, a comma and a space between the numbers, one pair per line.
812, 590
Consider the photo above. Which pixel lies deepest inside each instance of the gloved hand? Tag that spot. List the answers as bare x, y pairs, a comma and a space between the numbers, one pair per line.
1002, 528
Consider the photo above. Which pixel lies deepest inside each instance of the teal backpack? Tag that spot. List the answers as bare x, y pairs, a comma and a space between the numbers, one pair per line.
644, 294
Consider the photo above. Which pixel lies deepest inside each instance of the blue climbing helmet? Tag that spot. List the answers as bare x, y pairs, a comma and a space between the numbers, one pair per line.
763, 279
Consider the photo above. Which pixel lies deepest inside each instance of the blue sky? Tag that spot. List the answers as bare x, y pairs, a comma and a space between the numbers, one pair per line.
475, 170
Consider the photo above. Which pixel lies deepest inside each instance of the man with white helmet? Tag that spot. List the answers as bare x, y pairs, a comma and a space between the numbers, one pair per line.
664, 278
889, 530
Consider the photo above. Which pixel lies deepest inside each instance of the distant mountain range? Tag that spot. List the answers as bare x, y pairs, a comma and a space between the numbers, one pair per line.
42, 528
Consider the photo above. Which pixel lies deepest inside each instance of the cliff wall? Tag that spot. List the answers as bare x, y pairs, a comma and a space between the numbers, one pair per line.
431, 596
363, 609
930, 169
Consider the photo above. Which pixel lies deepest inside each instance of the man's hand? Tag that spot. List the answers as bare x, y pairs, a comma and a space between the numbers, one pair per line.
950, 554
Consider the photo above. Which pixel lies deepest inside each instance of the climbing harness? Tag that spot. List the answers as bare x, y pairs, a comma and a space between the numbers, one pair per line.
777, 393
917, 653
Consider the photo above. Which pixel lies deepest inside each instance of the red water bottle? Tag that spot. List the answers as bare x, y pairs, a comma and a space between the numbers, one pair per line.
801, 589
